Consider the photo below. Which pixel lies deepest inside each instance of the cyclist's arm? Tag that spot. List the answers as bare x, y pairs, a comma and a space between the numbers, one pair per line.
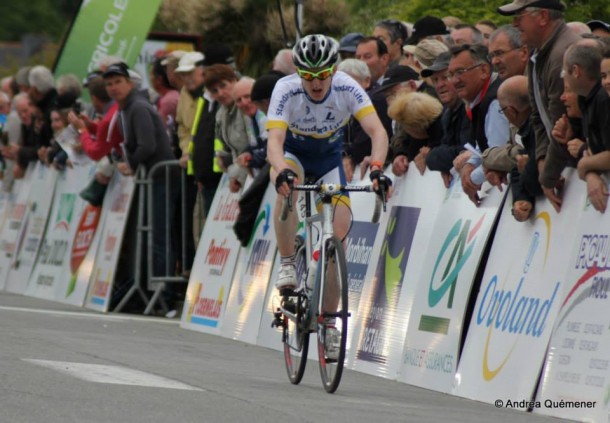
275, 148
379, 138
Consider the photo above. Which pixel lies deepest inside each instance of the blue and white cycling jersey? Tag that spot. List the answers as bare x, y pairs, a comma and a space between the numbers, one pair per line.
315, 129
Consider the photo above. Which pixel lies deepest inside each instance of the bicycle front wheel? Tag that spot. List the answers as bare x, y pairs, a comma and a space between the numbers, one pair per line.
296, 334
332, 322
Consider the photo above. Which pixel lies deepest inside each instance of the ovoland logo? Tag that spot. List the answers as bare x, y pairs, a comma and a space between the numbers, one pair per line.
507, 311
258, 248
453, 255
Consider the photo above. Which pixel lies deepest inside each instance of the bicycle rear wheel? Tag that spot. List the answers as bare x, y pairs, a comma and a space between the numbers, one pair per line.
295, 335
332, 322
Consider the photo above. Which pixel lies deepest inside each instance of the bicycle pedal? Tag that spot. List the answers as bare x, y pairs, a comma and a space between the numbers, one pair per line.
277, 319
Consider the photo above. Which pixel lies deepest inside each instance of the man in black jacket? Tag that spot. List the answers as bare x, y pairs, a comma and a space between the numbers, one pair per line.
146, 143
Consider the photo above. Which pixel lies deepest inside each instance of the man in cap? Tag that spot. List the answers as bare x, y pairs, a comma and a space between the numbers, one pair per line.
348, 44
456, 125
543, 29
599, 28
428, 27
146, 143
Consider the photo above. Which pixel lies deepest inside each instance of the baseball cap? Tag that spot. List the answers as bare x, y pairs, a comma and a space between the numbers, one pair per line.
117, 69
90, 76
593, 25
189, 61
263, 87
425, 27
173, 57
397, 74
517, 5
349, 42
218, 54
440, 63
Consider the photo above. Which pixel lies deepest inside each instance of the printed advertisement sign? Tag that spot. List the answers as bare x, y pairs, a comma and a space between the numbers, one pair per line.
383, 313
33, 228
17, 214
214, 265
517, 303
50, 278
434, 333
578, 362
247, 297
106, 28
115, 212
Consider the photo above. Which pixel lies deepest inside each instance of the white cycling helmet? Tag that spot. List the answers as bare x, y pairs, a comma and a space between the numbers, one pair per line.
315, 51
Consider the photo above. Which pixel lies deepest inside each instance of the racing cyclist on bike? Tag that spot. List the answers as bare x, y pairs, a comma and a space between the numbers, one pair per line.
306, 122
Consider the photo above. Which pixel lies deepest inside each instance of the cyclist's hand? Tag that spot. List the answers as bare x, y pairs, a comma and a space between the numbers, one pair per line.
381, 183
284, 182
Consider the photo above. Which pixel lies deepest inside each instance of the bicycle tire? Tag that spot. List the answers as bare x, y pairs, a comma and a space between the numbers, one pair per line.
334, 314
295, 334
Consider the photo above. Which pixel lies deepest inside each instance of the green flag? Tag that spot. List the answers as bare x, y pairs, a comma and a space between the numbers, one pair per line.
106, 28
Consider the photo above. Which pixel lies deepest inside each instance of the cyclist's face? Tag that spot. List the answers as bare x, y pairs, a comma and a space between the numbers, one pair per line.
317, 88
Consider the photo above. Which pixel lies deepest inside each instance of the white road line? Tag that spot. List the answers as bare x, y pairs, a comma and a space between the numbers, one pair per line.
91, 315
118, 375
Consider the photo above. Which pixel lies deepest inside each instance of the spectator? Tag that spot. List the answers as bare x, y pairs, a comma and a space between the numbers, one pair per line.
451, 22
231, 124
605, 71
507, 54
399, 79
581, 69
167, 102
579, 28
471, 75
255, 156
171, 62
191, 72
27, 137
357, 144
374, 53
568, 129
486, 27
514, 102
599, 28
348, 44
428, 27
146, 143
544, 31
283, 62
43, 94
466, 34
394, 34
22, 79
262, 89
426, 52
419, 115
456, 125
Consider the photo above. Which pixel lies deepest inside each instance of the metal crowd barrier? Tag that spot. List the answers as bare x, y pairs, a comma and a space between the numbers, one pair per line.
146, 230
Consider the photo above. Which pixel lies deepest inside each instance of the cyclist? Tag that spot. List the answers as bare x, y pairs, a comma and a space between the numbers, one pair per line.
306, 121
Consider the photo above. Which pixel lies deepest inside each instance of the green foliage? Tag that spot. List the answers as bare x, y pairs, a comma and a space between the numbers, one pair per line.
35, 16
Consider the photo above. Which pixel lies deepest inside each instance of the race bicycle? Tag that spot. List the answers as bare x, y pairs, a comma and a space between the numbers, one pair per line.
320, 303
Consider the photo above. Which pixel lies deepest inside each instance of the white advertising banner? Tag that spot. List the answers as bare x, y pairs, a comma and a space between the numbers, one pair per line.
576, 379
115, 212
17, 214
393, 273
449, 268
214, 265
517, 303
51, 277
247, 297
33, 227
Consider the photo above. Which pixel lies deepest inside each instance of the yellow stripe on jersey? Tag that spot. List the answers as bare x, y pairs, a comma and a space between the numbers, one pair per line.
276, 124
365, 111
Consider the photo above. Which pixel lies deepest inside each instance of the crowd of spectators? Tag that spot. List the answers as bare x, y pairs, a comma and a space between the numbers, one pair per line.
516, 103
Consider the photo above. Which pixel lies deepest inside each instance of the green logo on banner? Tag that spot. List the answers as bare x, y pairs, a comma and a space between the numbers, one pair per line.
65, 211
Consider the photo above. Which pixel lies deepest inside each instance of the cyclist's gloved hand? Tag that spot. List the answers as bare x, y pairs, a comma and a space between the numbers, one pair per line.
285, 176
383, 182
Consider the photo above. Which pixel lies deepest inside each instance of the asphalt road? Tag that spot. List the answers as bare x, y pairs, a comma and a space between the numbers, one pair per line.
63, 364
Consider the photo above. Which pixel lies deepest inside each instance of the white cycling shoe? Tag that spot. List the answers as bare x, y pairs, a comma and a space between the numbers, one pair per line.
286, 278
332, 343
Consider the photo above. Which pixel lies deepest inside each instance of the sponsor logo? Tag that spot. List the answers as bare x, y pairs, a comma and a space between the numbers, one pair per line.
227, 210
217, 257
65, 211
206, 311
510, 311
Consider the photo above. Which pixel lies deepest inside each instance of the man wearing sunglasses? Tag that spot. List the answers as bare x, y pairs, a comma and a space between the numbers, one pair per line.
307, 118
